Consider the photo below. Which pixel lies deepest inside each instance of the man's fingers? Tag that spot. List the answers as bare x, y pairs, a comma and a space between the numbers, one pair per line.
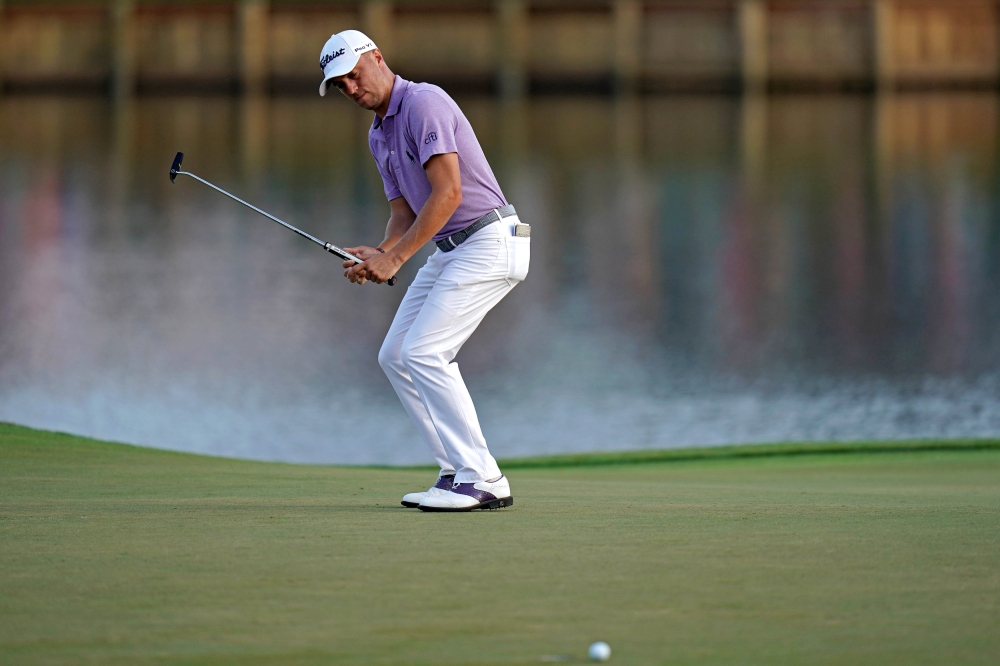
365, 271
362, 252
357, 274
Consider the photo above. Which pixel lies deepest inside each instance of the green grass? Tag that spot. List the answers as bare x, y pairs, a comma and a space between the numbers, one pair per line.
784, 450
882, 554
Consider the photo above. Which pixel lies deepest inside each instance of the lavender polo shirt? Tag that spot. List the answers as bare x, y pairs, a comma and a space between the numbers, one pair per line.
423, 121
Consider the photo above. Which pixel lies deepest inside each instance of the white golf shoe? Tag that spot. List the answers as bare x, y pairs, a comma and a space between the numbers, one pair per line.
470, 496
443, 485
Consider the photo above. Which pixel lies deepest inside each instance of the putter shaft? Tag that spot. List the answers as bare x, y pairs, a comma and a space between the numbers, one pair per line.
329, 247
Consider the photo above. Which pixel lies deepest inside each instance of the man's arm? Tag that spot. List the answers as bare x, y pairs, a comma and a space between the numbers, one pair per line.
401, 218
400, 221
446, 195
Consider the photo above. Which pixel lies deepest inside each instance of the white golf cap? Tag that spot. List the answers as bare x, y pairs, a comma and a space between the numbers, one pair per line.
340, 54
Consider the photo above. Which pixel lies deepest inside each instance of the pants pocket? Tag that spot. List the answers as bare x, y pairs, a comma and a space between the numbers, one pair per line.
518, 257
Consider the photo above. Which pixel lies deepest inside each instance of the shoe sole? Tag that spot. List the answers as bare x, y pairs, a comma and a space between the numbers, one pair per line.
491, 505
410, 505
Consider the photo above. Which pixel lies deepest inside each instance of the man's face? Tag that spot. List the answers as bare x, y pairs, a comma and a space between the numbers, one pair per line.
365, 84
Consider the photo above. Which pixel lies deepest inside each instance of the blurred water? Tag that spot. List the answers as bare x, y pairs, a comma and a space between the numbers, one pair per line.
705, 270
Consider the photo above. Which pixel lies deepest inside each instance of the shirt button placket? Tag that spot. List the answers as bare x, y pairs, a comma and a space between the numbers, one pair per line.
388, 139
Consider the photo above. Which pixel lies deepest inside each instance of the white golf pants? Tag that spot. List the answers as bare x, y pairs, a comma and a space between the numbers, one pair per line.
450, 295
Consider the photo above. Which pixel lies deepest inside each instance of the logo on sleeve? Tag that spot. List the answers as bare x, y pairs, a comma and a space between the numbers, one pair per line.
329, 57
431, 137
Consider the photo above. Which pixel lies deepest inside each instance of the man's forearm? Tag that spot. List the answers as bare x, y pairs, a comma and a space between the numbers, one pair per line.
432, 217
394, 230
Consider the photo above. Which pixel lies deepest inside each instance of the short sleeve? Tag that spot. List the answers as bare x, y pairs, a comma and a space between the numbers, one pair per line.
388, 182
432, 123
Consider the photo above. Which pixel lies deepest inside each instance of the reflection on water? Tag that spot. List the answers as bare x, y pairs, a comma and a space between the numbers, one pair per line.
705, 270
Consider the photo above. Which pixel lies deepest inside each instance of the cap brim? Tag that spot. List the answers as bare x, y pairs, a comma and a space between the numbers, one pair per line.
342, 68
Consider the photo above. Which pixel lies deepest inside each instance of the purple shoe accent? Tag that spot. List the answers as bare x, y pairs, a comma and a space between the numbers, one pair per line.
471, 490
445, 482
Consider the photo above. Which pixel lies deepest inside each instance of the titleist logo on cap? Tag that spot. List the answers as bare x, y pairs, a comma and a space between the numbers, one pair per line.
328, 58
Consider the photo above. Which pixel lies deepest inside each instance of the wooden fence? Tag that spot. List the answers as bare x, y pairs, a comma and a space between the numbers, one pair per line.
509, 45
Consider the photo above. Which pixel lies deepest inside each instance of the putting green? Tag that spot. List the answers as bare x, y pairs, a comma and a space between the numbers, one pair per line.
114, 554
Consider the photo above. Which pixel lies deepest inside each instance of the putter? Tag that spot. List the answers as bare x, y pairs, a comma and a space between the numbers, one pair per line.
175, 170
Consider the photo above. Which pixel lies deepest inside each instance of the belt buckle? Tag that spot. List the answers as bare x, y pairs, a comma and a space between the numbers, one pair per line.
450, 241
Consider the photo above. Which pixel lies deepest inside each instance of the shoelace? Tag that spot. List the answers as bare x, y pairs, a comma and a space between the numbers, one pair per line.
445, 483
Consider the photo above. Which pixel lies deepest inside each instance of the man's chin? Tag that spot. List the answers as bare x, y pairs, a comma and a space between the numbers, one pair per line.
365, 102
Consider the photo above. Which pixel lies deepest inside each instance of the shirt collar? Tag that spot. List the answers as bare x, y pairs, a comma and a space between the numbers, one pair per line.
399, 87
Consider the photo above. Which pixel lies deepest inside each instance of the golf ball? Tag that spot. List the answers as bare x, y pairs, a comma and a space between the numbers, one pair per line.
600, 651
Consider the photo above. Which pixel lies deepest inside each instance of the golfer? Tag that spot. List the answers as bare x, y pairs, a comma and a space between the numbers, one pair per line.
440, 188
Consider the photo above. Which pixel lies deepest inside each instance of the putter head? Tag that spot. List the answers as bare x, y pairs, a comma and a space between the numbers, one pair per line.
176, 166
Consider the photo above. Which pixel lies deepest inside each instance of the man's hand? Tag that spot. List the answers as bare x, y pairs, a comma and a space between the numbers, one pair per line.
377, 267
362, 252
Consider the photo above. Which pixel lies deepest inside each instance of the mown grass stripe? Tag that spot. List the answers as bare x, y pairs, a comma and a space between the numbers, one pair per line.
749, 451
